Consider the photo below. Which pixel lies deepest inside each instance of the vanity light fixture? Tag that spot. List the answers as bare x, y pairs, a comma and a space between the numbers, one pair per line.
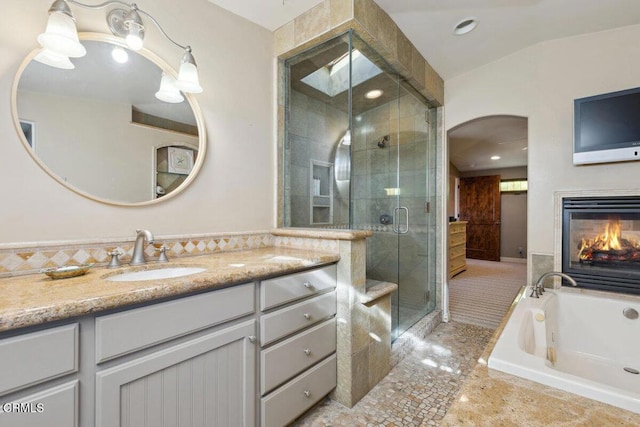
61, 35
61, 38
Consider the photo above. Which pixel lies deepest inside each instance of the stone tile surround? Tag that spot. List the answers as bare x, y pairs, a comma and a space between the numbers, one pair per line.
18, 259
29, 258
411, 339
333, 17
543, 262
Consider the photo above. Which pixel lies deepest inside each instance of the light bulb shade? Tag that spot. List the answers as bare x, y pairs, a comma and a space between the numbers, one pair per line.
53, 59
134, 40
135, 29
188, 80
168, 91
61, 36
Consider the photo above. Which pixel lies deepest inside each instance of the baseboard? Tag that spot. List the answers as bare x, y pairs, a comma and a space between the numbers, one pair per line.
518, 260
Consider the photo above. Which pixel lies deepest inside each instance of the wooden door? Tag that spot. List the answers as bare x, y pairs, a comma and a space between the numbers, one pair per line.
480, 206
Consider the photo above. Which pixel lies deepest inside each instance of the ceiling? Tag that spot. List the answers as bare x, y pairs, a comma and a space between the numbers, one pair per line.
472, 144
504, 27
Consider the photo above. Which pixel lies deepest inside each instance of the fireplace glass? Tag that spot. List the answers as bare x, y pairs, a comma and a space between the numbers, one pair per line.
601, 242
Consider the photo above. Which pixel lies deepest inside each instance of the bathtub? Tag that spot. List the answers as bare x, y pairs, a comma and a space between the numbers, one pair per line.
575, 340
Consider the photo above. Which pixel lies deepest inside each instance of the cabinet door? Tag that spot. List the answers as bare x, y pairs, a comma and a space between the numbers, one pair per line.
56, 406
208, 381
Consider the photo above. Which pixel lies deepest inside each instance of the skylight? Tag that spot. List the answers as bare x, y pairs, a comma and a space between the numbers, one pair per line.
333, 78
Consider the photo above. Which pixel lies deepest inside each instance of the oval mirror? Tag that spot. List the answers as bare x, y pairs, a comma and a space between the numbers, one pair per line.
99, 129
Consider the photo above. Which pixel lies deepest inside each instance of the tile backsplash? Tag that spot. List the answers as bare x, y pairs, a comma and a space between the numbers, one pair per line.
30, 258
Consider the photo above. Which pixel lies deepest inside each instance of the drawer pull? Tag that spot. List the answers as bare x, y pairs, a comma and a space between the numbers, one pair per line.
308, 285
307, 351
252, 338
307, 393
307, 316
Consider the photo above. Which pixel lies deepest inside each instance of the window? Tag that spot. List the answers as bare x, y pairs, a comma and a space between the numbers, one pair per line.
513, 186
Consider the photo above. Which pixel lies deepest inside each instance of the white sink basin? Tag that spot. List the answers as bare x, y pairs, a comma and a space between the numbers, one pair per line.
157, 274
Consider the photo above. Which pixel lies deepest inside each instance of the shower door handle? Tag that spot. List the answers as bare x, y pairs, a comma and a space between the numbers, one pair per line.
406, 230
396, 225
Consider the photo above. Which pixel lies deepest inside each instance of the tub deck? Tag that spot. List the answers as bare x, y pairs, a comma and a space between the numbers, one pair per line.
493, 398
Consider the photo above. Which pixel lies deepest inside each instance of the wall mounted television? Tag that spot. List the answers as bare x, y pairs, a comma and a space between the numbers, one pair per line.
607, 128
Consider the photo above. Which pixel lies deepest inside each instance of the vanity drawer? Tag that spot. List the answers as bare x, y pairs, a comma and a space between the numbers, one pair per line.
274, 292
37, 357
288, 358
294, 398
281, 323
128, 331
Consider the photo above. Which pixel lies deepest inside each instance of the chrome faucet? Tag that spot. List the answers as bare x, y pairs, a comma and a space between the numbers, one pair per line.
538, 288
137, 258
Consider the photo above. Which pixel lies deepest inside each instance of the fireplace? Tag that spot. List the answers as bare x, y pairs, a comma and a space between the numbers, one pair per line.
601, 242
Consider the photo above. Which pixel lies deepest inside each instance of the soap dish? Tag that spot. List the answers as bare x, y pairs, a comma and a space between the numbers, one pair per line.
66, 271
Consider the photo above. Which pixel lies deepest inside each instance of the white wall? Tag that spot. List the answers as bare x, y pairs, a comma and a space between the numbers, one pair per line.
541, 83
83, 142
235, 188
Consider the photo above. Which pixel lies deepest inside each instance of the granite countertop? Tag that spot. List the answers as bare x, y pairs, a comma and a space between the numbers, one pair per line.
322, 233
35, 299
494, 398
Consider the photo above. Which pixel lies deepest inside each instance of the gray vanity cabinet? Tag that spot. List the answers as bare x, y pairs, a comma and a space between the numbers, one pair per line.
213, 359
207, 381
30, 364
298, 339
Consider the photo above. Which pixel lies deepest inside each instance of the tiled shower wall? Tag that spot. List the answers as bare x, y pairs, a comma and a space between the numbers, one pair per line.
401, 163
315, 130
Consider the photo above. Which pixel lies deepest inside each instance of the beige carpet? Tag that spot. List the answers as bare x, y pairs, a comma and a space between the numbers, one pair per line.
482, 294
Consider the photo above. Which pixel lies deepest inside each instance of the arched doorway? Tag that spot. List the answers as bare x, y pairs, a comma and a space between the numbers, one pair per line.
487, 192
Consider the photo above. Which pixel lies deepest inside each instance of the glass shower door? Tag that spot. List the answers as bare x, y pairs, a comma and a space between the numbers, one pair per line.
359, 131
414, 229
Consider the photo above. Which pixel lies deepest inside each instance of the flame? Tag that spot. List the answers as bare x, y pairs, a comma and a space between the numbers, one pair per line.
611, 237
610, 240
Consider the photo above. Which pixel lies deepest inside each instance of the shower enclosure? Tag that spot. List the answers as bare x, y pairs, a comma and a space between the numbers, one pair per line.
360, 153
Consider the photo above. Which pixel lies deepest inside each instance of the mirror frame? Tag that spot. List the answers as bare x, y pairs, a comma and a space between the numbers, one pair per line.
162, 64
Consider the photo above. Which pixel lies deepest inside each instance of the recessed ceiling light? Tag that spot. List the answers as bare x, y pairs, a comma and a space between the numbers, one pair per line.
465, 26
373, 94
495, 157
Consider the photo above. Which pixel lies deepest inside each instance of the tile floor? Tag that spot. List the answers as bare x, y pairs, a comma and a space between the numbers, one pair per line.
419, 390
